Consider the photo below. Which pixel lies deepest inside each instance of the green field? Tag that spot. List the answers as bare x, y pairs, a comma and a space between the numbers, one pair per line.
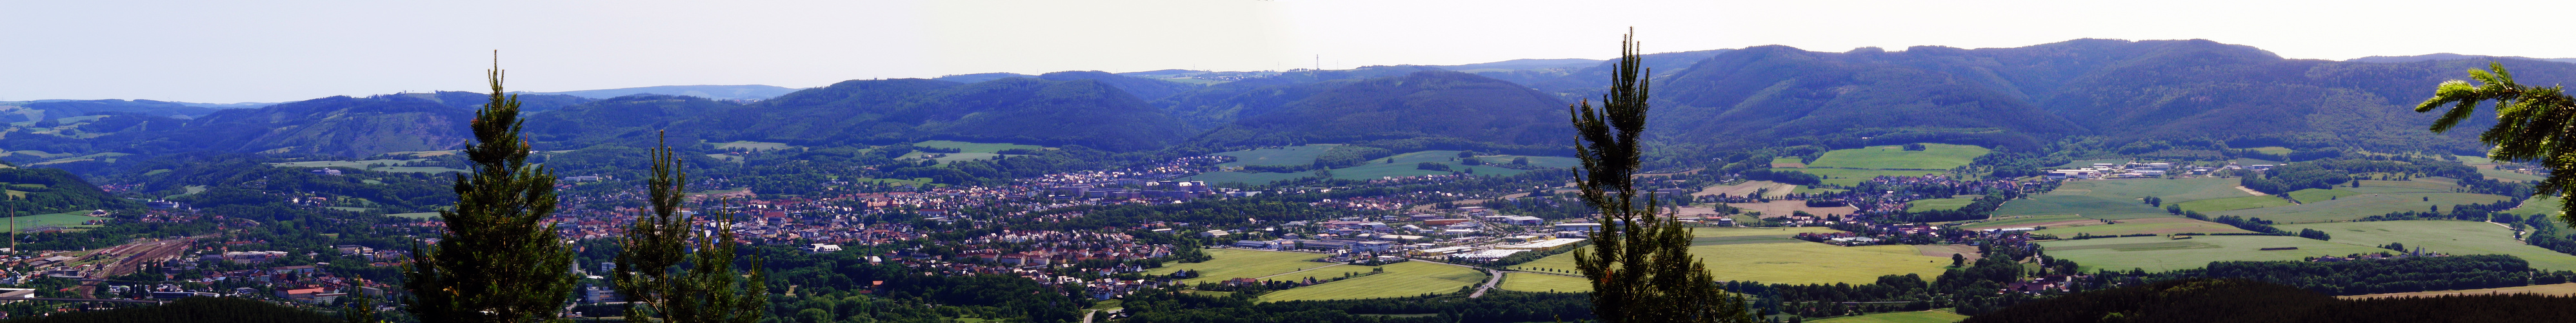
2156, 254
2171, 190
1231, 264
2360, 206
2319, 195
2272, 150
373, 165
1846, 176
1404, 165
358, 164
421, 215
2449, 237
970, 147
750, 145
431, 170
1932, 157
1898, 317
2023, 221
2080, 205
1794, 263
2142, 226
1938, 204
57, 220
2538, 206
1726, 236
1788, 162
2232, 203
1242, 177
1290, 155
1401, 279
1528, 282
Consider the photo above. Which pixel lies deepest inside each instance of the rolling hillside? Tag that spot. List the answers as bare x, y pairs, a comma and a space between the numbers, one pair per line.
1430, 106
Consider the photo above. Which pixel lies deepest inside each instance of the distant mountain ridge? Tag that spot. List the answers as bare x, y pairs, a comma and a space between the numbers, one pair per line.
2449, 57
2021, 97
718, 92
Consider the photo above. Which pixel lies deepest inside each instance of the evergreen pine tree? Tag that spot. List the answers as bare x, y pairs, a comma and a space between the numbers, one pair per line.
1640, 264
499, 260
2532, 124
650, 271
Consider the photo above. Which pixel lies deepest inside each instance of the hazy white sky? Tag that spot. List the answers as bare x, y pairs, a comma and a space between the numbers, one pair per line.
267, 51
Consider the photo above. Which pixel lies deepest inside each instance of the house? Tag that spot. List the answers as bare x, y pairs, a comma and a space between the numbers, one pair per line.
1213, 233
1522, 220
1443, 221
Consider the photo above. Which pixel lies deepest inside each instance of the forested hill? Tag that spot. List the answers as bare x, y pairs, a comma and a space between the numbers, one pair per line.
2126, 90
46, 190
1018, 110
718, 92
1429, 108
335, 125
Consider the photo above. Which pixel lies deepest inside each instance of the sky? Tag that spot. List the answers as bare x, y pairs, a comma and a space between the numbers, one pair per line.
272, 51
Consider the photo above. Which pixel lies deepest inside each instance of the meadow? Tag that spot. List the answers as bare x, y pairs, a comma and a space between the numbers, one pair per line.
2024, 221
2080, 205
2163, 254
1932, 157
2171, 190
1847, 176
1938, 204
2141, 226
372, 165
1401, 279
751, 145
1528, 282
1232, 263
1399, 165
1898, 317
1290, 155
2232, 203
420, 215
1407, 164
1726, 236
1244, 177
1794, 263
972, 147
2362, 205
2448, 237
56, 220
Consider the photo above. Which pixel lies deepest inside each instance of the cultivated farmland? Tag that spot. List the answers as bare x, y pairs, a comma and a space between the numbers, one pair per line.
2363, 205
1290, 155
2232, 203
2163, 254
1932, 157
1401, 279
2141, 226
1231, 264
1528, 282
2449, 237
1795, 263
